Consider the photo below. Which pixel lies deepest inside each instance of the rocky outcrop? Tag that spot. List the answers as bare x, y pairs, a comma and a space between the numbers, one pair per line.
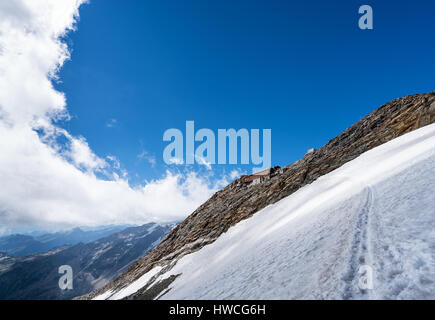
236, 202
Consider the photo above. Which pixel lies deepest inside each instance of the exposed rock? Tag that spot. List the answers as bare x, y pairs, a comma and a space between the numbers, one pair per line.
236, 202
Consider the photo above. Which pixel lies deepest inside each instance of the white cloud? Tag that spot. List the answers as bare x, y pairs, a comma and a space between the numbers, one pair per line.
82, 156
50, 184
144, 155
201, 161
235, 174
111, 123
176, 161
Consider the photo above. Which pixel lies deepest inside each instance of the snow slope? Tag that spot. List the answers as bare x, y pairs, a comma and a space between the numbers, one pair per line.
376, 211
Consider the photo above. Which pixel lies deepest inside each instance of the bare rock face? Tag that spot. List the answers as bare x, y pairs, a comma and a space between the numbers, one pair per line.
236, 202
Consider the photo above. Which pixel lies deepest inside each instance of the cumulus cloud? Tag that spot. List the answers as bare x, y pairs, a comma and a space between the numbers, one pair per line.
49, 178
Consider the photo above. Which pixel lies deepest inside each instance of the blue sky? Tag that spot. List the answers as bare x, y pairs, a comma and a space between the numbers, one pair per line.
301, 68
137, 68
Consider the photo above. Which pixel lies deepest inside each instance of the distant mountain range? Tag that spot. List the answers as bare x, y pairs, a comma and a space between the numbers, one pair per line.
18, 245
94, 264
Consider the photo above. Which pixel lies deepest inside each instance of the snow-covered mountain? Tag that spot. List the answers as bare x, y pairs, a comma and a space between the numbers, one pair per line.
93, 264
352, 220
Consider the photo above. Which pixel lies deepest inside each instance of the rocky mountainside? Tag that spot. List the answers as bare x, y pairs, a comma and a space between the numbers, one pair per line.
94, 264
237, 202
5, 262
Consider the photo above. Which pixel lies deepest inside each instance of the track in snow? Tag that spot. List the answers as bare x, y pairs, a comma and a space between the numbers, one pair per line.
360, 255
